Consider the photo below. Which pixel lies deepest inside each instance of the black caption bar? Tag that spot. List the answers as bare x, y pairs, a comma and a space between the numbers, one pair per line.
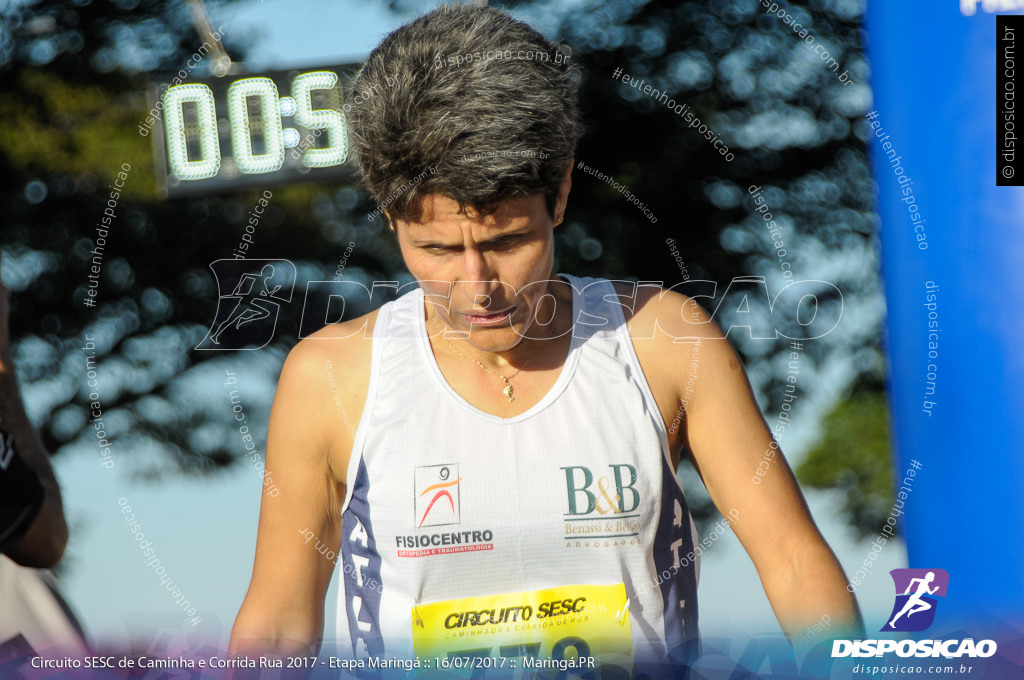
1008, 158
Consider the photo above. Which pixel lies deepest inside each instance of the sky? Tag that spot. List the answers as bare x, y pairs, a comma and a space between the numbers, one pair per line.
203, 530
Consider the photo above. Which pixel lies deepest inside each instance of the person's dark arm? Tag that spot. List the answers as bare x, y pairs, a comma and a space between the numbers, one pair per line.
26, 467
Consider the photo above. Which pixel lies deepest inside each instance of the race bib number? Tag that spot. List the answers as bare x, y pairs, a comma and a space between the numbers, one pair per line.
578, 631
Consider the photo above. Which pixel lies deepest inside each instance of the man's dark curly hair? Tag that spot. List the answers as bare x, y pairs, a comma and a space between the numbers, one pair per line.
465, 102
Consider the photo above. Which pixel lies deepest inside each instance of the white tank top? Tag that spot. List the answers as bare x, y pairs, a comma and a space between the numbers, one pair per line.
561, 527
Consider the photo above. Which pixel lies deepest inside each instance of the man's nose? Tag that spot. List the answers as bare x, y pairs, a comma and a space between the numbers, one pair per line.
479, 281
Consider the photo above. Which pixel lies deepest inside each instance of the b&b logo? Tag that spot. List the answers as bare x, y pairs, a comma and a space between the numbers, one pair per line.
914, 609
578, 482
437, 495
247, 315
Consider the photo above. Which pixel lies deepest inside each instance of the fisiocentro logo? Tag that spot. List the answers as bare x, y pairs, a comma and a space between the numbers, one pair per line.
914, 611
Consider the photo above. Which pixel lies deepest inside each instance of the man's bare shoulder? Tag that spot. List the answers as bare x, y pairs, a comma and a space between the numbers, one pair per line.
662, 315
680, 349
334, 359
325, 378
345, 343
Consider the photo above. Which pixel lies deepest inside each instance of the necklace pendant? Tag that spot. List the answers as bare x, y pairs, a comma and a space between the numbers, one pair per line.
508, 393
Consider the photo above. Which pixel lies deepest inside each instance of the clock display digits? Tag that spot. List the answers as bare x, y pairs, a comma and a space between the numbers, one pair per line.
268, 123
333, 122
250, 130
204, 129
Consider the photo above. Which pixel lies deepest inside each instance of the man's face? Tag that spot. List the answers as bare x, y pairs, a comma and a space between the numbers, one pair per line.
476, 269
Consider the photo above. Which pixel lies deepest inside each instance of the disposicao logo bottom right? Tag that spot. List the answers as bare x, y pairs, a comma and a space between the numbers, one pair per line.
916, 592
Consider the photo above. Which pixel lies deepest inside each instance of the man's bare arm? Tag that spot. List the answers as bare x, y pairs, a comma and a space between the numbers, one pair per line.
729, 440
283, 611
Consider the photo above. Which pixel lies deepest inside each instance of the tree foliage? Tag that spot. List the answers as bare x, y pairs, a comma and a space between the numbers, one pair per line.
853, 457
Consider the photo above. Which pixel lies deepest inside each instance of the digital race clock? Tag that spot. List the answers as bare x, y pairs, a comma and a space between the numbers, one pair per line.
255, 130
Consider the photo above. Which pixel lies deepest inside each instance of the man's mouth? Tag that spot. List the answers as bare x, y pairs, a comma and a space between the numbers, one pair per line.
483, 317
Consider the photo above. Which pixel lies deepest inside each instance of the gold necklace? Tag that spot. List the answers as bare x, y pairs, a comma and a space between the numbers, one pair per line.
508, 386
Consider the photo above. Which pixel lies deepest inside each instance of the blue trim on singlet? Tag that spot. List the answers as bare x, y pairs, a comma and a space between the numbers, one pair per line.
680, 627
361, 582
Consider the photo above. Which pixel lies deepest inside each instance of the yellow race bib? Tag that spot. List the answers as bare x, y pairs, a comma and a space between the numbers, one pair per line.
571, 631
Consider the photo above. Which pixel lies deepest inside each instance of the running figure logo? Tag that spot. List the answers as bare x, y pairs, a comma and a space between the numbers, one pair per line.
247, 316
437, 495
914, 609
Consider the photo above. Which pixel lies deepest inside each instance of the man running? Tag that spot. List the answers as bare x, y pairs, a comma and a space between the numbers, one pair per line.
914, 603
250, 307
